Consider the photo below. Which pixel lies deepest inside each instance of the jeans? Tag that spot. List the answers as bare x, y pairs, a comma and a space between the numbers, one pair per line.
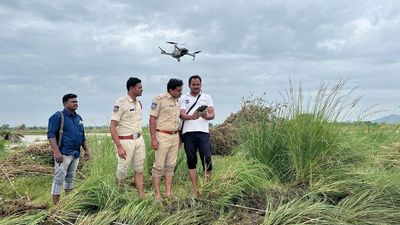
64, 171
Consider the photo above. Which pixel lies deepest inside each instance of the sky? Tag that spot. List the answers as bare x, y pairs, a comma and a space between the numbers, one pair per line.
90, 48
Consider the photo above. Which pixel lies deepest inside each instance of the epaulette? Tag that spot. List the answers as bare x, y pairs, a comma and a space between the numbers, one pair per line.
122, 99
162, 96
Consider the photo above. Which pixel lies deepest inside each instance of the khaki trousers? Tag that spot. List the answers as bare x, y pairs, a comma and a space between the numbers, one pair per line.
166, 154
135, 155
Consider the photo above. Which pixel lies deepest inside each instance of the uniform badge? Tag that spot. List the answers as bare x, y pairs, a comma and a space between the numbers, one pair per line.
187, 101
153, 105
116, 108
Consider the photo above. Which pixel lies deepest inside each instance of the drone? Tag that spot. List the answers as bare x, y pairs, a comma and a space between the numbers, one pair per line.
178, 52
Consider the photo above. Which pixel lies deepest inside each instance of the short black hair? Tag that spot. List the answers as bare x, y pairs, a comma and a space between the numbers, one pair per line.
131, 82
174, 83
67, 97
194, 77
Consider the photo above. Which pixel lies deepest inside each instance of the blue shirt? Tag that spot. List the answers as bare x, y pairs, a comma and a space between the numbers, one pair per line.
74, 133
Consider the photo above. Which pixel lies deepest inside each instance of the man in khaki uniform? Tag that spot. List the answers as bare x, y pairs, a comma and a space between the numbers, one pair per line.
164, 124
126, 128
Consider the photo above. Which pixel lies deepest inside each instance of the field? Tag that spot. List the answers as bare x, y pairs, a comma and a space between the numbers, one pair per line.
292, 165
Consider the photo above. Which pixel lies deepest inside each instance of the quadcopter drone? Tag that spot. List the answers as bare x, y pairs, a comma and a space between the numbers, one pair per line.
178, 52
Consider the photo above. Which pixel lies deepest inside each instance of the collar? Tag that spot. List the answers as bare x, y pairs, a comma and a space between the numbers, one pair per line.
69, 113
189, 94
130, 99
169, 95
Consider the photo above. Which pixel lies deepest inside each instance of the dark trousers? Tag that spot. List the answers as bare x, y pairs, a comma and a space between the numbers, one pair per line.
194, 141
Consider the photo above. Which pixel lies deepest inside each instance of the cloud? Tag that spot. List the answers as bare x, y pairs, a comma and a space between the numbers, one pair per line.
92, 47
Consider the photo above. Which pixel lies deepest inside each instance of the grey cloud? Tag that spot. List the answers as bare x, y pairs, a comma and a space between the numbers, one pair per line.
92, 47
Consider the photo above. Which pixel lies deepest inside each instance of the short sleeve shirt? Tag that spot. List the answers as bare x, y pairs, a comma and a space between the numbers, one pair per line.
166, 109
128, 113
186, 101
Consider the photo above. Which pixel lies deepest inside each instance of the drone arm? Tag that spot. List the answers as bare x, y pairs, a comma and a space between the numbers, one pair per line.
176, 47
193, 55
164, 52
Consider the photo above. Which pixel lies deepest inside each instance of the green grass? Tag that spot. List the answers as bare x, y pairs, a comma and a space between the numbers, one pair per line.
296, 166
353, 190
3, 152
36, 187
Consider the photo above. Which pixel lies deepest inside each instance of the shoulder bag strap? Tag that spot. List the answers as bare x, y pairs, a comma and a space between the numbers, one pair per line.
191, 107
61, 131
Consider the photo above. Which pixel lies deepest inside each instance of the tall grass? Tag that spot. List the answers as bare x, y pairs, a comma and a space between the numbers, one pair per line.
367, 207
34, 218
303, 134
137, 211
238, 181
296, 165
298, 211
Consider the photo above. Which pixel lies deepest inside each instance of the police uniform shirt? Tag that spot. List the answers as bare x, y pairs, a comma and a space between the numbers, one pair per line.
200, 124
128, 113
166, 109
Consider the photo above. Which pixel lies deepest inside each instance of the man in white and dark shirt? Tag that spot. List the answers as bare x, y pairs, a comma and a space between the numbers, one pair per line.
195, 132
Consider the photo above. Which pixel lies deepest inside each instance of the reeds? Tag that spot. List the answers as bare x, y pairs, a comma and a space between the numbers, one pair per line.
302, 135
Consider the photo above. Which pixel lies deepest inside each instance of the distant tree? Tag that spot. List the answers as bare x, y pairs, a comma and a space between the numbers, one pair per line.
5, 126
22, 127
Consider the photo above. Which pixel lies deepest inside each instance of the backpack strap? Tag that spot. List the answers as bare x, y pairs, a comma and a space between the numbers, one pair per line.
61, 130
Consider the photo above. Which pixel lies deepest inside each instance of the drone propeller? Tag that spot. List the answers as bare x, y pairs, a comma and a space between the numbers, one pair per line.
162, 51
196, 52
174, 43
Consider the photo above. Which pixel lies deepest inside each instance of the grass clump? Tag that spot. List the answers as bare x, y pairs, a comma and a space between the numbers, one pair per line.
302, 136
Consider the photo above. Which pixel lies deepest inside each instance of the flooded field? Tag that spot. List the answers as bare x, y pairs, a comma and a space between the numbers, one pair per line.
40, 138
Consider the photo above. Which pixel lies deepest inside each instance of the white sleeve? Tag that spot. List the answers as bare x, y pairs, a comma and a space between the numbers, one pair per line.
210, 101
182, 103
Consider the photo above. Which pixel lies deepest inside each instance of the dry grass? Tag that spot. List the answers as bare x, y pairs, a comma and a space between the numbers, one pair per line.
389, 157
20, 206
225, 137
36, 159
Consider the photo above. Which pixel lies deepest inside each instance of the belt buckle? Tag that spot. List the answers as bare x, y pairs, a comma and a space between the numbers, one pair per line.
136, 135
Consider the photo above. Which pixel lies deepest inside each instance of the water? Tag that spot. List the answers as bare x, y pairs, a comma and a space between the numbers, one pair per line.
34, 138
30, 139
